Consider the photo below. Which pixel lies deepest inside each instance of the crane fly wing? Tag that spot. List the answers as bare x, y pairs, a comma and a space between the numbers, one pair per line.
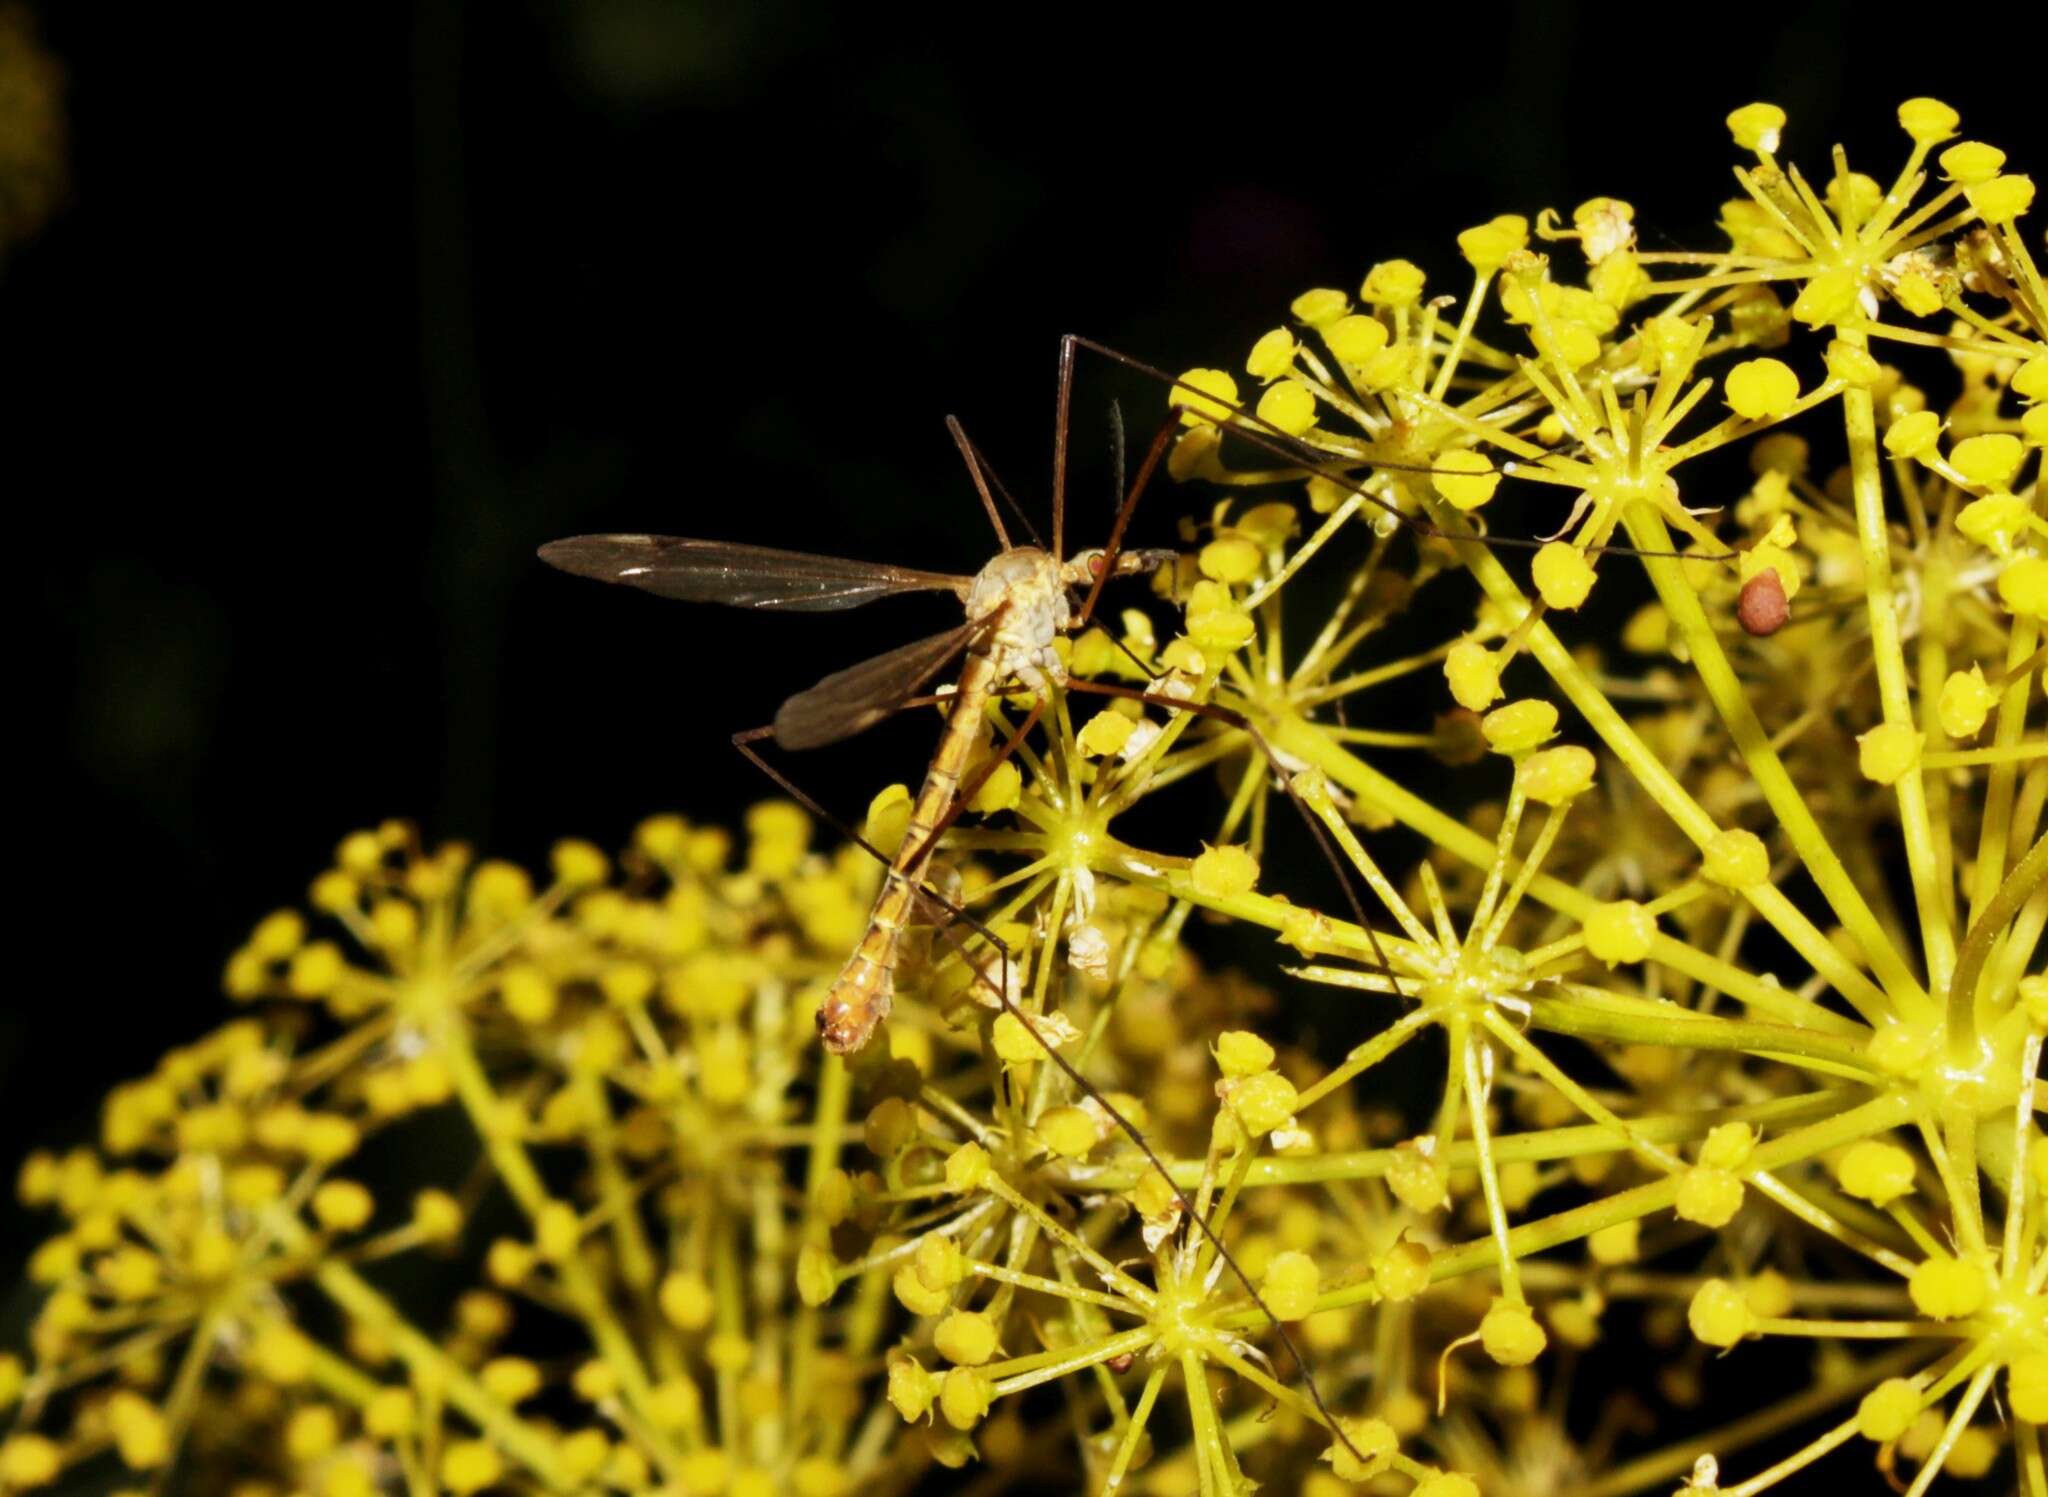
672, 566
849, 701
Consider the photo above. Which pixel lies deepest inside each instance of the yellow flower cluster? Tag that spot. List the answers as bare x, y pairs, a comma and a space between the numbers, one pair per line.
1643, 1092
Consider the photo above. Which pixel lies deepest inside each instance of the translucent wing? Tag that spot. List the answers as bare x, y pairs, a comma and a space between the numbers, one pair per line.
848, 701
742, 576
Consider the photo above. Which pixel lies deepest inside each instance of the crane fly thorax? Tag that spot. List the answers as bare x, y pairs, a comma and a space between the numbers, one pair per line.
1025, 590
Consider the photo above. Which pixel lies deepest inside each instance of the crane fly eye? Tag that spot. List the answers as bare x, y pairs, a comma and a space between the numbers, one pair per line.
1095, 564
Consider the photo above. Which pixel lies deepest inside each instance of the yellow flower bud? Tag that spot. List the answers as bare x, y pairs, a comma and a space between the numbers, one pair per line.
1620, 932
1488, 246
1392, 283
1949, 1288
1373, 1445
1224, 872
1290, 1285
1239, 1052
912, 1388
1757, 127
967, 1167
1466, 479
1709, 1197
1553, 776
1068, 1132
470, 1466
1563, 576
1261, 1103
1833, 296
1989, 460
1736, 859
1970, 162
1272, 356
1195, 409
1875, 1171
1761, 389
964, 1397
1719, 1314
1928, 120
1473, 672
1288, 406
1232, 559
2001, 199
2027, 1382
1519, 726
1888, 1410
1356, 338
2023, 587
1320, 307
1966, 700
1888, 751
1511, 1335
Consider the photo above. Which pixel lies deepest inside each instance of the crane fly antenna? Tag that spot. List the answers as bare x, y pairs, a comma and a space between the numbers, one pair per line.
745, 742
972, 459
1263, 434
1115, 545
1059, 446
1116, 451
1002, 492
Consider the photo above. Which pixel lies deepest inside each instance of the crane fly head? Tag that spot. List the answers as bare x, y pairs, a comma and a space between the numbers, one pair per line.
1086, 568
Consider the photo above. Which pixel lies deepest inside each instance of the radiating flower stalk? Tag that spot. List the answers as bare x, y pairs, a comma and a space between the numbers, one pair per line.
1655, 1108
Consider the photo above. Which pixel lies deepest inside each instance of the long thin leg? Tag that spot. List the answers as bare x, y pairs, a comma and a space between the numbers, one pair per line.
988, 500
1123, 520
1265, 435
1243, 724
1003, 493
745, 742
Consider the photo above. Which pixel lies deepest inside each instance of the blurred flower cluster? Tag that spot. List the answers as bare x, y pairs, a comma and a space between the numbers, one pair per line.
1653, 1106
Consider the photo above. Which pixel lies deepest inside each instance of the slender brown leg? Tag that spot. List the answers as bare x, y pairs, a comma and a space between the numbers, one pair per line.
1243, 724
1269, 438
988, 500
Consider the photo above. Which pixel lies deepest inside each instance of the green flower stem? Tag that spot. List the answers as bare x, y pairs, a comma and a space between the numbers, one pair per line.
1537, 1146
1986, 927
1900, 989
1046, 1370
1021, 1280
516, 1169
430, 1365
1859, 415
1594, 1014
1306, 740
1134, 1430
1872, 1117
828, 1131
1995, 830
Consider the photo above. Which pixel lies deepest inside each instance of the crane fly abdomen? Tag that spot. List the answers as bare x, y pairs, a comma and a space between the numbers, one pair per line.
866, 986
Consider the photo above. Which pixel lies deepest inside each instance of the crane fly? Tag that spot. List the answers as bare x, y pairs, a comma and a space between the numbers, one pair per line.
1016, 606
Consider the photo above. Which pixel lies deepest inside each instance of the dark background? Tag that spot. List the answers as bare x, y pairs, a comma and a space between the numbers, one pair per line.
350, 308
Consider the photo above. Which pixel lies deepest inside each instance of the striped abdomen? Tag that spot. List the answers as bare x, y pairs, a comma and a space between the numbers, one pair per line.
860, 997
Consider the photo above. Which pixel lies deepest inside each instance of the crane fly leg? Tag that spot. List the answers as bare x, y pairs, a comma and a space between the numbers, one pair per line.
1244, 725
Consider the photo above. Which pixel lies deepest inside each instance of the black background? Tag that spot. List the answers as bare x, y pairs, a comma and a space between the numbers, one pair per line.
351, 307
